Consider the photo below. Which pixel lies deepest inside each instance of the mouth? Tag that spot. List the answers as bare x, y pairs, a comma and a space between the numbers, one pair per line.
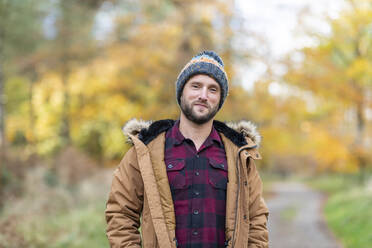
200, 104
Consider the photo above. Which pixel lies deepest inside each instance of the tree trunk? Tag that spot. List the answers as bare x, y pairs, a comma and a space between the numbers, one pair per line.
359, 144
2, 110
65, 128
65, 44
32, 137
360, 128
359, 139
2, 97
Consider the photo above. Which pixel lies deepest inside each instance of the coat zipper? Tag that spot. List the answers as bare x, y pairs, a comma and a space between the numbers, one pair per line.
237, 199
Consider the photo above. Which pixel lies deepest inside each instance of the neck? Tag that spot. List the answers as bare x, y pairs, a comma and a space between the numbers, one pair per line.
198, 133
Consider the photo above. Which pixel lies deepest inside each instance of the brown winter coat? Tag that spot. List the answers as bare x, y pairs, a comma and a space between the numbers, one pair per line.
140, 194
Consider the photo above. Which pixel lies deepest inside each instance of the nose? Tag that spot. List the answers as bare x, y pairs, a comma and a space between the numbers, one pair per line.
203, 93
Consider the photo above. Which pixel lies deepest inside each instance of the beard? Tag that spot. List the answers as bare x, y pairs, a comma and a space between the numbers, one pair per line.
190, 114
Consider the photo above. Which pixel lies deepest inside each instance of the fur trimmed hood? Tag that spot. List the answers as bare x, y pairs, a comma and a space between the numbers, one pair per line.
149, 130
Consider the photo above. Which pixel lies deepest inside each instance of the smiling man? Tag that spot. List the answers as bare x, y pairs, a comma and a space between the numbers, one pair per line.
190, 183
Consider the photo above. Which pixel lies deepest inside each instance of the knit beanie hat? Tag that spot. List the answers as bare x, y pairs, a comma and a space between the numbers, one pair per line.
208, 63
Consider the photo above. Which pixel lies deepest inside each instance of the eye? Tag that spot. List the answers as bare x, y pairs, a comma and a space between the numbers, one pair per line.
214, 90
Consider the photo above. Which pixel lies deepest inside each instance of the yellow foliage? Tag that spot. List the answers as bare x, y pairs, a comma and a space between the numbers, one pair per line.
331, 152
337, 73
360, 71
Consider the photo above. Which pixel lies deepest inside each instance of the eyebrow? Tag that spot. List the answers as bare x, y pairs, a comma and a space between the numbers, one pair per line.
198, 82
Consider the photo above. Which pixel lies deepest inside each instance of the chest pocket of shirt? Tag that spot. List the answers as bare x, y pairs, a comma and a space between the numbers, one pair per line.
217, 174
176, 172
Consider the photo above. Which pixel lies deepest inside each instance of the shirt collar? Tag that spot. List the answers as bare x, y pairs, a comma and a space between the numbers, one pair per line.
176, 133
179, 138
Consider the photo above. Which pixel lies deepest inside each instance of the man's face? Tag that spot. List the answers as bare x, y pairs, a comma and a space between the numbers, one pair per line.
200, 98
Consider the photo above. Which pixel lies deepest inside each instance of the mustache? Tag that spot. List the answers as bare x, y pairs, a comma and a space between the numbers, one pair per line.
201, 103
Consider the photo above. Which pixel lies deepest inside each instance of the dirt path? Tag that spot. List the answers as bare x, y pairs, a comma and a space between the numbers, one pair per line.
296, 218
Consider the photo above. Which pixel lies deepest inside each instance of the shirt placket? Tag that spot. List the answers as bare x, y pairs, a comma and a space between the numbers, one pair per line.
198, 172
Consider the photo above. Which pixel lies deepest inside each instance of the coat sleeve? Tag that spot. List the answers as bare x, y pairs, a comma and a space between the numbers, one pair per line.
125, 203
258, 211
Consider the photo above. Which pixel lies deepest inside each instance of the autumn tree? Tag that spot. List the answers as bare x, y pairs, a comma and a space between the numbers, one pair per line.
73, 44
20, 36
338, 73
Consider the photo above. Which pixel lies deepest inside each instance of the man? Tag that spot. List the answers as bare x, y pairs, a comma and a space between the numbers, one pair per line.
191, 182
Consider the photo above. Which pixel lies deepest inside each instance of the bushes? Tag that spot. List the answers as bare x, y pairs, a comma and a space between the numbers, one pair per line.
59, 203
12, 173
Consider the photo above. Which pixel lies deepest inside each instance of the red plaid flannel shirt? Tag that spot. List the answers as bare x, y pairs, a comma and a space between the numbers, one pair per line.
198, 181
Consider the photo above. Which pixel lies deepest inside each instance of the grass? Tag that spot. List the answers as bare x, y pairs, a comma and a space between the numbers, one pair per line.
80, 227
349, 215
333, 183
348, 209
289, 213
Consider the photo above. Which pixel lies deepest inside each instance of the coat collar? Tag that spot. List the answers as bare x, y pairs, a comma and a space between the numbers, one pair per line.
241, 133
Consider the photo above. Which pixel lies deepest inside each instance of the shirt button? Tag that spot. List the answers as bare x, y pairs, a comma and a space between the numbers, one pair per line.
222, 165
195, 233
196, 212
197, 155
170, 166
197, 173
197, 193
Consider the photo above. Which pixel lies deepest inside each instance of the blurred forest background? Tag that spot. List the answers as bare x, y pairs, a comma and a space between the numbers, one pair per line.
73, 72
